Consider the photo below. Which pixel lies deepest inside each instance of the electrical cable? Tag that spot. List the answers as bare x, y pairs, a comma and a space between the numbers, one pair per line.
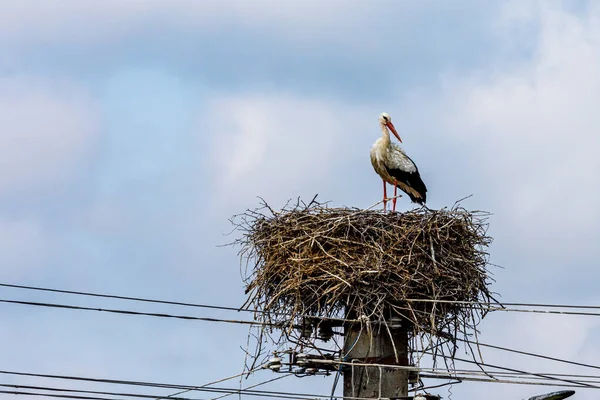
248, 392
532, 354
552, 378
211, 383
129, 298
129, 312
281, 395
253, 386
156, 301
206, 319
488, 306
539, 305
392, 366
504, 381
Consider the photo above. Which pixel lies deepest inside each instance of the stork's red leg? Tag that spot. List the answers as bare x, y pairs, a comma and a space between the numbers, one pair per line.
384, 196
395, 194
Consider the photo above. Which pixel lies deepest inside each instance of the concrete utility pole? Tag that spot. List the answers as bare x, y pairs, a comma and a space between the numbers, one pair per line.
375, 347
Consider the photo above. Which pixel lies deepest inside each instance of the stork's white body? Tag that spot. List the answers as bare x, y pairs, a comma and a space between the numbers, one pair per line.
386, 156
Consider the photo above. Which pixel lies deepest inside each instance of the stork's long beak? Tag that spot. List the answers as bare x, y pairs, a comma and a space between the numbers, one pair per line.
391, 126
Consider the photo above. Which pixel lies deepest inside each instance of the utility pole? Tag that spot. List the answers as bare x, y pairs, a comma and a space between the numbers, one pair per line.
375, 347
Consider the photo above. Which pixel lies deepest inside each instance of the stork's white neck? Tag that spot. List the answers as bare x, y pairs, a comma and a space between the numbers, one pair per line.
385, 134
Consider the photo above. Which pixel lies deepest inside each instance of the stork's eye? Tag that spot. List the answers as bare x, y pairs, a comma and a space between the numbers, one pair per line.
384, 118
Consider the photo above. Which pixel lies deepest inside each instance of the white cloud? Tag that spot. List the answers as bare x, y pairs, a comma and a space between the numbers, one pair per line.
44, 133
273, 145
29, 20
535, 127
529, 131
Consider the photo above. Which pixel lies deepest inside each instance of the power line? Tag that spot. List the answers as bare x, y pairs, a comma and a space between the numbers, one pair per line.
552, 378
555, 312
253, 386
138, 299
64, 396
504, 381
210, 383
129, 312
156, 301
453, 372
227, 379
226, 391
97, 380
209, 319
489, 306
272, 394
392, 366
503, 307
533, 354
549, 377
539, 305
246, 391
143, 396
501, 374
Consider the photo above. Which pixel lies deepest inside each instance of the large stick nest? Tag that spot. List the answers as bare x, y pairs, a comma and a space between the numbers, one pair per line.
427, 267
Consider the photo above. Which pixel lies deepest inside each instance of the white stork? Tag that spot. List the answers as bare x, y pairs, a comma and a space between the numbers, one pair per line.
395, 167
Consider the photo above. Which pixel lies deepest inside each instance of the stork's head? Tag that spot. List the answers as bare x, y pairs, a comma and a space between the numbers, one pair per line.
386, 120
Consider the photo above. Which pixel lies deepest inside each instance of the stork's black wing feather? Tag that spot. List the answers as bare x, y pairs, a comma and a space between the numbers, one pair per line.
410, 182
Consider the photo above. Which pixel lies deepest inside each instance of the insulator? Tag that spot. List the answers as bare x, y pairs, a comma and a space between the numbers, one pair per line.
275, 367
301, 359
275, 364
275, 360
311, 371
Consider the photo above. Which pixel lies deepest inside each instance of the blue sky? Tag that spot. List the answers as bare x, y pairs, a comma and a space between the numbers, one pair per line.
131, 131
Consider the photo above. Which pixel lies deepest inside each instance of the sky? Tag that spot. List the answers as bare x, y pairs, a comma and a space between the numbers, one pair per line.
132, 130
